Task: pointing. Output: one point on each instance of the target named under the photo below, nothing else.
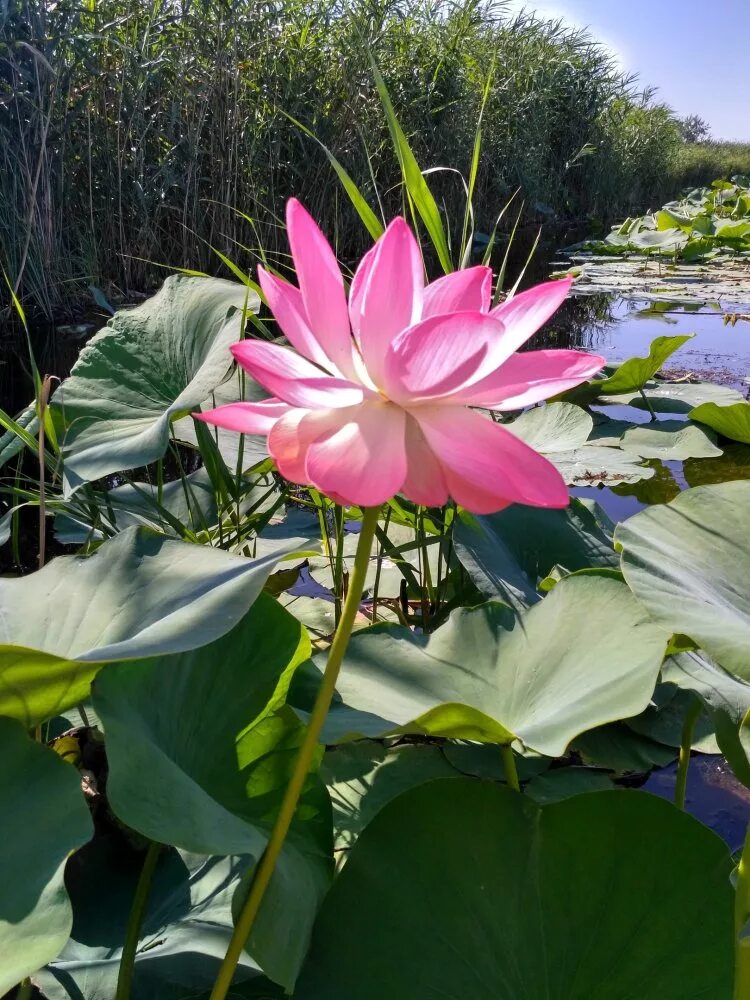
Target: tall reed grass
(134, 131)
(702, 162)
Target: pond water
(714, 796)
(620, 328)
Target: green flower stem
(686, 745)
(25, 990)
(338, 572)
(132, 934)
(265, 870)
(741, 917)
(509, 766)
(647, 401)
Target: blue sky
(696, 52)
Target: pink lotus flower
(374, 396)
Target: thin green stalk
(449, 548)
(25, 989)
(338, 571)
(132, 933)
(379, 567)
(509, 766)
(741, 917)
(648, 403)
(267, 864)
(41, 407)
(686, 745)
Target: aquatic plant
(258, 742)
(702, 225)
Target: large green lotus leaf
(616, 747)
(139, 594)
(238, 450)
(185, 504)
(554, 427)
(508, 553)
(11, 444)
(732, 228)
(675, 397)
(363, 777)
(727, 699)
(148, 366)
(585, 655)
(185, 931)
(593, 465)
(492, 897)
(6, 521)
(671, 440)
(607, 433)
(634, 373)
(689, 562)
(665, 241)
(564, 782)
(45, 817)
(731, 421)
(481, 760)
(192, 502)
(200, 726)
(664, 718)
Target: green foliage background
(132, 131)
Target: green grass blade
(372, 223)
(504, 265)
(416, 186)
(521, 273)
(467, 234)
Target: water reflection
(622, 328)
(733, 464)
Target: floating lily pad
(597, 466)
(483, 760)
(564, 782)
(727, 698)
(671, 440)
(554, 427)
(676, 397)
(618, 748)
(727, 281)
(663, 721)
